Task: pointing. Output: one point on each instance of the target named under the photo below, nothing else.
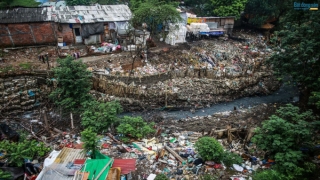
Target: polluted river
(218, 87)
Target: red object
(105, 146)
(79, 161)
(217, 166)
(126, 165)
(150, 148)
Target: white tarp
(177, 34)
(47, 162)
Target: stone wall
(24, 92)
(24, 34)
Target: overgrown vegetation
(17, 152)
(135, 127)
(25, 66)
(73, 85)
(283, 136)
(99, 116)
(230, 158)
(7, 69)
(209, 149)
(4, 175)
(4, 4)
(90, 139)
(154, 13)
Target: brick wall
(66, 32)
(25, 34)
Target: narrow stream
(285, 94)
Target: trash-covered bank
(169, 151)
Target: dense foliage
(230, 158)
(154, 13)
(99, 116)
(135, 127)
(90, 140)
(73, 85)
(17, 152)
(5, 4)
(4, 175)
(297, 53)
(202, 8)
(228, 8)
(283, 136)
(259, 12)
(209, 149)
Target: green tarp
(100, 165)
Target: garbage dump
(171, 151)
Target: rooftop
(67, 14)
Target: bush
(209, 149)
(99, 116)
(161, 177)
(90, 141)
(269, 174)
(17, 152)
(135, 127)
(230, 158)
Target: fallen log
(174, 153)
(114, 139)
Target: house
(26, 26)
(69, 24)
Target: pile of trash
(220, 55)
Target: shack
(64, 25)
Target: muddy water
(285, 94)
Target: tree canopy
(259, 11)
(73, 84)
(153, 13)
(5, 4)
(297, 52)
(228, 8)
(283, 136)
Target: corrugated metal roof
(67, 14)
(20, 15)
(126, 165)
(58, 169)
(92, 14)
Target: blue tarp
(212, 33)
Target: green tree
(297, 52)
(202, 8)
(154, 13)
(228, 8)
(73, 85)
(135, 127)
(99, 116)
(90, 139)
(209, 149)
(283, 135)
(259, 11)
(78, 2)
(6, 4)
